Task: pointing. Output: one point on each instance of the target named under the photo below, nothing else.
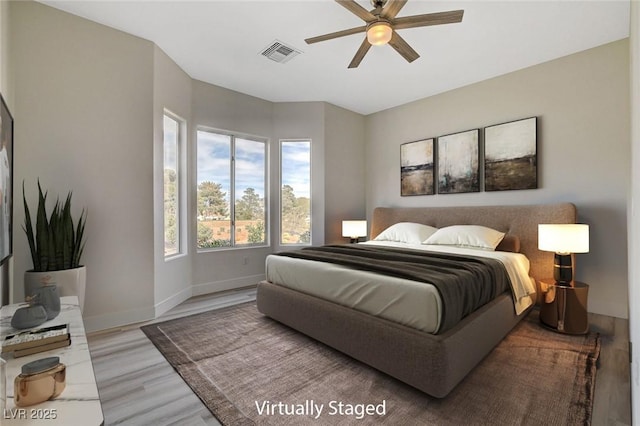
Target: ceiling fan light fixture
(379, 33)
(381, 25)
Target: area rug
(249, 369)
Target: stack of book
(37, 340)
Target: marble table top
(79, 403)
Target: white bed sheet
(407, 302)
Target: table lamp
(354, 229)
(563, 240)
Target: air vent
(280, 52)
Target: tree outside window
(231, 167)
(295, 192)
(171, 185)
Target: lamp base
(563, 269)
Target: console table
(79, 401)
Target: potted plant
(56, 247)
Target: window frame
(232, 189)
(181, 228)
(280, 242)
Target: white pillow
(406, 232)
(466, 236)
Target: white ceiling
(219, 42)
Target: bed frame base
(434, 364)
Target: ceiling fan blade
(439, 18)
(403, 48)
(364, 48)
(357, 10)
(392, 8)
(337, 34)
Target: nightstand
(564, 307)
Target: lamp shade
(354, 228)
(563, 238)
(379, 33)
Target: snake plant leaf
(79, 236)
(53, 237)
(56, 243)
(43, 241)
(28, 229)
(67, 234)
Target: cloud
(214, 162)
(296, 167)
(214, 159)
(170, 129)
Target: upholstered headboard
(521, 221)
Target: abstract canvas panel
(510, 155)
(458, 162)
(416, 168)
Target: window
(171, 166)
(231, 167)
(295, 192)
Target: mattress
(414, 304)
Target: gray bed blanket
(465, 283)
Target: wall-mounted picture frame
(510, 155)
(416, 168)
(6, 182)
(458, 162)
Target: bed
(432, 363)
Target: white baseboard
(215, 286)
(118, 319)
(121, 319)
(173, 301)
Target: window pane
(171, 187)
(295, 197)
(214, 189)
(250, 192)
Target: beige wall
(83, 122)
(337, 139)
(582, 102)
(345, 151)
(171, 91)
(4, 51)
(301, 120)
(219, 108)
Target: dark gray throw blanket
(464, 282)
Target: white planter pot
(70, 282)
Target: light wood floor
(137, 385)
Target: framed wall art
(510, 155)
(416, 168)
(458, 162)
(6, 181)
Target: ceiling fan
(382, 26)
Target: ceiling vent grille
(280, 52)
